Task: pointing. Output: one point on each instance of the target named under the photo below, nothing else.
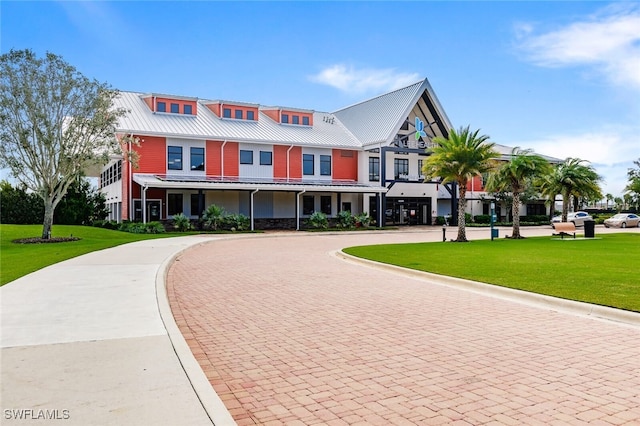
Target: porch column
(251, 207)
(144, 204)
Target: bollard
(444, 233)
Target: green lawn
(17, 260)
(604, 271)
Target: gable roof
(377, 120)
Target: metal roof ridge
(380, 95)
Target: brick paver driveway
(287, 333)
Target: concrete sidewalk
(86, 342)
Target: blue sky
(562, 78)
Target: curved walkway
(288, 333)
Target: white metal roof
(206, 125)
(251, 184)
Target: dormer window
(233, 110)
(285, 118)
(296, 119)
(171, 104)
(226, 112)
(250, 115)
(305, 120)
(238, 113)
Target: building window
(239, 114)
(188, 109)
(295, 119)
(250, 115)
(266, 158)
(307, 204)
(175, 108)
(161, 107)
(174, 158)
(246, 157)
(325, 165)
(197, 159)
(305, 120)
(174, 204)
(195, 205)
(325, 204)
(226, 112)
(307, 164)
(401, 168)
(374, 169)
(420, 164)
(285, 118)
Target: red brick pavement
(289, 334)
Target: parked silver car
(577, 218)
(623, 220)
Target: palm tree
(576, 179)
(459, 158)
(515, 176)
(609, 198)
(550, 187)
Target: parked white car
(577, 218)
(623, 220)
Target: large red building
(277, 165)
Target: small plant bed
(39, 240)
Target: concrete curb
(209, 399)
(533, 299)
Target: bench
(565, 228)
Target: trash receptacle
(494, 233)
(589, 228)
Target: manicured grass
(17, 260)
(603, 271)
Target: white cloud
(360, 81)
(611, 152)
(608, 41)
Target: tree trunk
(462, 204)
(515, 233)
(48, 218)
(565, 206)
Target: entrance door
(153, 210)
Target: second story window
(238, 113)
(265, 158)
(295, 119)
(197, 159)
(246, 157)
(188, 109)
(325, 165)
(305, 120)
(285, 118)
(174, 158)
(161, 107)
(250, 115)
(175, 108)
(307, 164)
(374, 169)
(401, 168)
(226, 112)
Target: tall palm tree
(515, 176)
(459, 158)
(550, 187)
(577, 180)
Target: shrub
(483, 218)
(154, 228)
(237, 222)
(318, 220)
(181, 222)
(363, 219)
(107, 224)
(440, 220)
(214, 216)
(345, 219)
